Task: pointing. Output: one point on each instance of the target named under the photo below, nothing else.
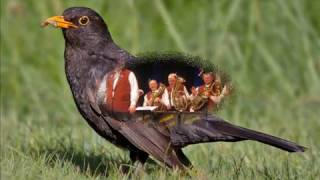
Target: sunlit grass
(269, 48)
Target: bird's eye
(83, 20)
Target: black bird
(90, 54)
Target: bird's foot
(139, 169)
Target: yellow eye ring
(84, 20)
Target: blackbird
(90, 54)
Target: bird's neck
(73, 65)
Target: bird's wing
(148, 138)
(96, 75)
(195, 128)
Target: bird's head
(81, 26)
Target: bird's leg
(138, 159)
(183, 158)
(139, 168)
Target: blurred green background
(271, 49)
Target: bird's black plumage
(90, 54)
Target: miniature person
(121, 91)
(210, 92)
(155, 96)
(177, 93)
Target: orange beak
(58, 21)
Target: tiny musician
(155, 96)
(210, 93)
(176, 93)
(120, 90)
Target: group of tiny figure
(175, 96)
(121, 93)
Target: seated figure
(177, 93)
(209, 94)
(155, 96)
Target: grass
(269, 48)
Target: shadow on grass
(91, 163)
(87, 163)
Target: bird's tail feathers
(248, 134)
